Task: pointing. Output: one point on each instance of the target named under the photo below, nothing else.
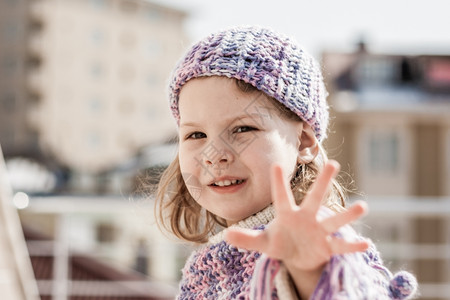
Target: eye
(196, 135)
(243, 129)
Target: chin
(230, 218)
(237, 215)
(233, 219)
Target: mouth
(227, 182)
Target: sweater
(218, 270)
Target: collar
(262, 217)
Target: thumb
(247, 238)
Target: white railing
(393, 209)
(381, 208)
(62, 248)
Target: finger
(281, 193)
(354, 212)
(246, 238)
(320, 188)
(341, 246)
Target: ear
(309, 146)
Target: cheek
(193, 185)
(185, 158)
(279, 148)
(182, 160)
(282, 152)
(190, 178)
(289, 161)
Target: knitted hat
(271, 62)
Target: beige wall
(98, 90)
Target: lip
(227, 189)
(223, 178)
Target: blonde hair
(178, 212)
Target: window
(376, 71)
(446, 178)
(11, 2)
(98, 4)
(35, 26)
(95, 105)
(11, 31)
(7, 139)
(154, 49)
(152, 113)
(8, 102)
(94, 140)
(34, 62)
(9, 65)
(33, 97)
(437, 74)
(383, 155)
(152, 79)
(97, 37)
(154, 15)
(105, 233)
(383, 152)
(97, 70)
(128, 7)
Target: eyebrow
(189, 124)
(227, 121)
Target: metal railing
(381, 209)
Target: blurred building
(84, 80)
(83, 86)
(390, 131)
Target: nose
(217, 154)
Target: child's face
(228, 142)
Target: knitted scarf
(218, 270)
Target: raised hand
(297, 236)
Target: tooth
(228, 182)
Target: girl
(251, 109)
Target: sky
(388, 26)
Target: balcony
(36, 43)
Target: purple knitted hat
(271, 62)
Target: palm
(297, 236)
